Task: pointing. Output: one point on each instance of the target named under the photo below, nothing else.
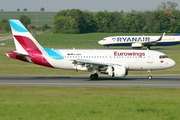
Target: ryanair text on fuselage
(131, 39)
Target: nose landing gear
(149, 77)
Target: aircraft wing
(84, 61)
(84, 64)
(153, 42)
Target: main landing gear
(149, 77)
(94, 76)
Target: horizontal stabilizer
(16, 54)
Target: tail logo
(17, 25)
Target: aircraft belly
(133, 65)
(143, 65)
(166, 43)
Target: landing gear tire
(94, 76)
(149, 77)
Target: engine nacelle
(136, 45)
(117, 71)
(120, 71)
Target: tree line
(5, 26)
(165, 19)
(76, 21)
(25, 20)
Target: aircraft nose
(173, 63)
(100, 42)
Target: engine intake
(137, 45)
(117, 71)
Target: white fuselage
(132, 59)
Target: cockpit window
(104, 39)
(163, 56)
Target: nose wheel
(149, 77)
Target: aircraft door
(150, 58)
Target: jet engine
(136, 45)
(117, 71)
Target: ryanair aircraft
(140, 41)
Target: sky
(90, 5)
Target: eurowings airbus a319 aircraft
(140, 41)
(115, 63)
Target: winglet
(160, 38)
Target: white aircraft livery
(140, 41)
(115, 63)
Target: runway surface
(83, 80)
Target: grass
(89, 103)
(84, 103)
(5, 33)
